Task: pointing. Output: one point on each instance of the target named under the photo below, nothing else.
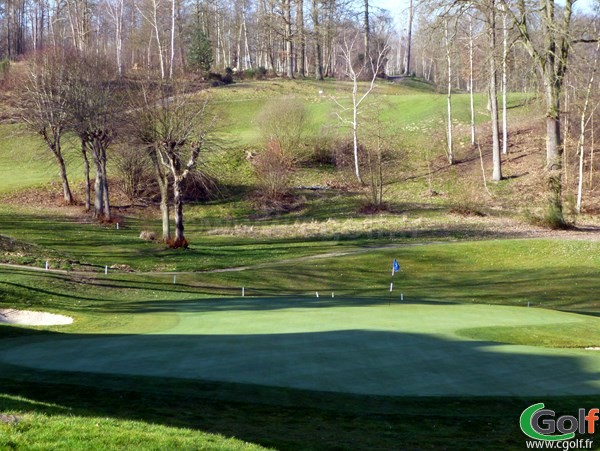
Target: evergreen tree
(200, 54)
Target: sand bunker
(29, 318)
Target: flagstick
(394, 266)
(391, 286)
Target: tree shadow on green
(411, 389)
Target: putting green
(353, 346)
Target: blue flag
(396, 267)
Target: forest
(78, 65)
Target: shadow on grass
(296, 286)
(95, 245)
(244, 400)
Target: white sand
(30, 318)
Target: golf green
(352, 345)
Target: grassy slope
(410, 113)
(550, 273)
(283, 417)
(26, 162)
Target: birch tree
(493, 91)
(449, 140)
(583, 125)
(317, 39)
(172, 61)
(152, 18)
(471, 97)
(504, 86)
(354, 71)
(115, 10)
(407, 55)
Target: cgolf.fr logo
(541, 424)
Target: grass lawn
(165, 354)
(270, 370)
(348, 346)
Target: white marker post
(117, 226)
(332, 294)
(174, 279)
(401, 296)
(317, 293)
(47, 265)
(243, 291)
(106, 269)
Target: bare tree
(448, 42)
(583, 124)
(505, 48)
(144, 113)
(172, 60)
(93, 109)
(407, 55)
(317, 37)
(284, 121)
(549, 50)
(181, 128)
(367, 37)
(153, 19)
(471, 99)
(115, 10)
(301, 37)
(44, 106)
(493, 91)
(354, 70)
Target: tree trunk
(554, 162)
(355, 122)
(408, 39)
(172, 60)
(53, 142)
(67, 195)
(497, 161)
(86, 174)
(301, 40)
(317, 39)
(450, 149)
(164, 210)
(178, 207)
(98, 189)
(504, 85)
(367, 61)
(471, 100)
(592, 143)
(105, 193)
(553, 137)
(583, 127)
(158, 42)
(288, 39)
(163, 183)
